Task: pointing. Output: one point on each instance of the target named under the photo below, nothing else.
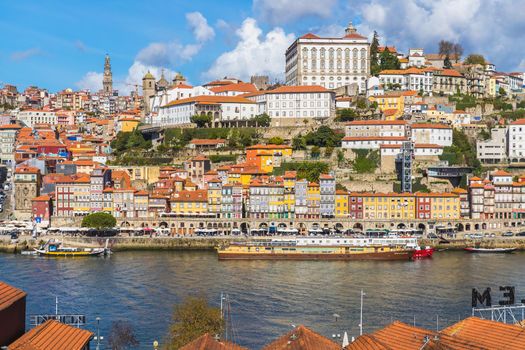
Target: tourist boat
(55, 248)
(327, 248)
(423, 253)
(490, 250)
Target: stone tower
(148, 90)
(350, 29)
(107, 81)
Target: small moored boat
(490, 250)
(423, 253)
(55, 248)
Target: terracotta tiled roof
(191, 196)
(353, 36)
(53, 335)
(376, 122)
(501, 173)
(206, 99)
(302, 338)
(390, 112)
(27, 170)
(207, 342)
(43, 198)
(297, 89)
(239, 87)
(430, 126)
(488, 334)
(9, 295)
(518, 122)
(309, 36)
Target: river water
(266, 297)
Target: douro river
(266, 297)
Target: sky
(61, 44)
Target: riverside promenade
(25, 242)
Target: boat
(327, 248)
(489, 250)
(55, 248)
(423, 253)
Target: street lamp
(155, 344)
(98, 338)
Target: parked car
(508, 234)
(521, 234)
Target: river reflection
(267, 297)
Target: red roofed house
(53, 335)
(329, 62)
(12, 313)
(42, 209)
(206, 144)
(302, 338)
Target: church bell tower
(107, 81)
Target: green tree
(298, 143)
(446, 63)
(366, 161)
(136, 140)
(502, 92)
(389, 60)
(99, 220)
(374, 55)
(261, 120)
(201, 120)
(346, 115)
(276, 140)
(340, 157)
(191, 319)
(328, 152)
(315, 152)
(324, 137)
(361, 103)
(122, 336)
(475, 58)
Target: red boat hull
(423, 253)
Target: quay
(147, 243)
(224, 226)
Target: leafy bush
(324, 137)
(99, 220)
(305, 170)
(276, 140)
(217, 158)
(366, 161)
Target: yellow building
(149, 174)
(190, 202)
(313, 200)
(214, 196)
(389, 206)
(491, 89)
(341, 204)
(289, 179)
(127, 124)
(443, 205)
(392, 104)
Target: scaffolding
(407, 155)
(507, 314)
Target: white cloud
(23, 55)
(489, 27)
(155, 57)
(329, 31)
(284, 11)
(254, 53)
(199, 25)
(91, 81)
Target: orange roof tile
(376, 122)
(297, 89)
(206, 99)
(239, 87)
(488, 334)
(430, 126)
(501, 173)
(53, 335)
(302, 338)
(207, 342)
(9, 295)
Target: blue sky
(58, 44)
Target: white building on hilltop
(329, 62)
